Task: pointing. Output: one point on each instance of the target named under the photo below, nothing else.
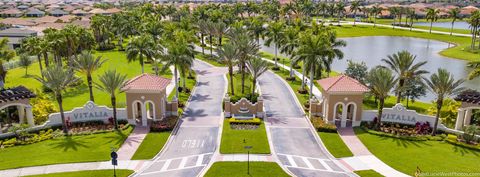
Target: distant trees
(24, 62)
(432, 15)
(356, 70)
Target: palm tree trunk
(219, 40)
(375, 21)
(437, 115)
(230, 73)
(3, 72)
(399, 93)
(393, 25)
(39, 58)
(120, 42)
(276, 55)
(90, 86)
(211, 46)
(176, 81)
(62, 115)
(380, 112)
(242, 68)
(114, 105)
(45, 57)
(303, 76)
(141, 63)
(431, 24)
(291, 69)
(354, 18)
(311, 82)
(203, 43)
(254, 81)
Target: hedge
(255, 121)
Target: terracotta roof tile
(147, 82)
(342, 83)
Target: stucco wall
(144, 98)
(332, 100)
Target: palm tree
(228, 53)
(177, 52)
(412, 15)
(442, 84)
(57, 79)
(432, 15)
(203, 29)
(44, 46)
(246, 47)
(274, 35)
(454, 14)
(140, 47)
(6, 54)
(376, 10)
(220, 29)
(381, 82)
(110, 82)
(289, 44)
(340, 8)
(354, 7)
(394, 11)
(475, 65)
(86, 63)
(257, 67)
(403, 64)
(32, 46)
(24, 62)
(474, 22)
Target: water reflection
(457, 25)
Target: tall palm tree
(203, 30)
(274, 35)
(32, 46)
(86, 63)
(110, 82)
(257, 67)
(442, 84)
(354, 7)
(220, 29)
(340, 8)
(381, 82)
(228, 54)
(247, 47)
(210, 28)
(57, 79)
(432, 15)
(6, 54)
(289, 44)
(404, 65)
(454, 14)
(376, 10)
(139, 48)
(24, 62)
(474, 22)
(412, 15)
(177, 52)
(394, 11)
(44, 46)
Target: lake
(372, 49)
(457, 25)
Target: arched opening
(150, 107)
(137, 110)
(351, 113)
(338, 113)
(12, 114)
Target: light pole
(248, 158)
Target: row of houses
(420, 9)
(34, 12)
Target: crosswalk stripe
(183, 162)
(200, 160)
(291, 161)
(165, 166)
(309, 165)
(328, 168)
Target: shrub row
(440, 137)
(322, 126)
(167, 124)
(255, 121)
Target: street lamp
(248, 158)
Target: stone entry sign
(89, 112)
(399, 114)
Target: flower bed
(323, 126)
(240, 124)
(440, 137)
(400, 129)
(167, 124)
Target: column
(21, 114)
(468, 117)
(460, 117)
(343, 121)
(144, 115)
(29, 112)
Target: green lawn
(77, 96)
(233, 140)
(69, 149)
(151, 145)
(183, 96)
(460, 51)
(368, 173)
(237, 84)
(429, 156)
(420, 107)
(335, 144)
(96, 173)
(239, 169)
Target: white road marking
(328, 168)
(307, 162)
(291, 161)
(199, 160)
(154, 172)
(183, 162)
(315, 169)
(165, 166)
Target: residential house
(11, 13)
(58, 13)
(35, 13)
(16, 35)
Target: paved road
(195, 142)
(293, 141)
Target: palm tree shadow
(69, 143)
(199, 97)
(207, 83)
(118, 138)
(463, 151)
(75, 91)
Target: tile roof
(342, 83)
(147, 82)
(11, 11)
(17, 21)
(16, 93)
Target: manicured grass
(429, 156)
(233, 140)
(77, 96)
(96, 173)
(239, 169)
(460, 51)
(237, 84)
(151, 145)
(368, 173)
(420, 107)
(335, 144)
(183, 96)
(69, 149)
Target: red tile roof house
(11, 13)
(342, 100)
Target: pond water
(372, 49)
(457, 25)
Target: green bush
(255, 121)
(440, 137)
(323, 126)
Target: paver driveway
(193, 145)
(293, 141)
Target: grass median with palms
(96, 173)
(429, 156)
(234, 141)
(239, 169)
(151, 145)
(64, 149)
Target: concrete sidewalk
(131, 144)
(37, 170)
